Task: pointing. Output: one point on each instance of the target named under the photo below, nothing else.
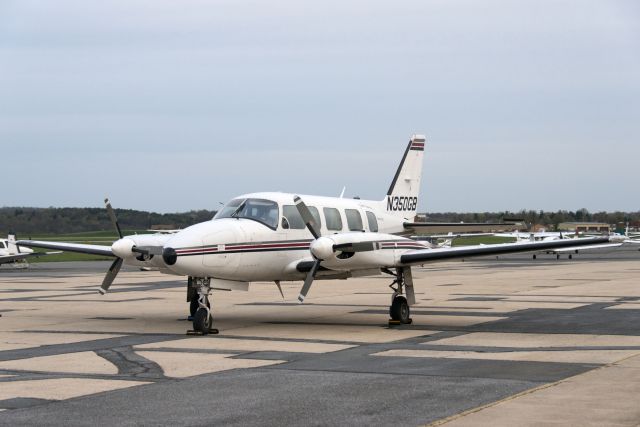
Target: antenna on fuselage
(342, 193)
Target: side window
(373, 222)
(332, 218)
(354, 220)
(2, 245)
(293, 217)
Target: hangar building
(585, 227)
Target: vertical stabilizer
(11, 245)
(402, 197)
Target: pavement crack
(130, 363)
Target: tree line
(26, 221)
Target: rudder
(403, 193)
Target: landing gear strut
(399, 310)
(202, 318)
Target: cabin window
(332, 218)
(2, 245)
(295, 221)
(354, 220)
(373, 222)
(290, 212)
(261, 210)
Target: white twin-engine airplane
(285, 237)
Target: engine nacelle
(352, 251)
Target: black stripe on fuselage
(245, 251)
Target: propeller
(323, 247)
(112, 272)
(123, 247)
(312, 226)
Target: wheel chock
(212, 331)
(398, 323)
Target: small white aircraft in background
(11, 253)
(631, 237)
(535, 236)
(285, 237)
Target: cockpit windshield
(261, 210)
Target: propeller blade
(112, 217)
(356, 247)
(307, 217)
(111, 274)
(308, 281)
(148, 250)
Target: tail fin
(402, 197)
(11, 244)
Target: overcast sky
(178, 105)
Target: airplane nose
(169, 256)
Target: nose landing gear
(399, 310)
(202, 318)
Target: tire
(399, 310)
(194, 305)
(202, 321)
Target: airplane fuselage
(268, 241)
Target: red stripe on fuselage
(267, 246)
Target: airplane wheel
(399, 310)
(202, 321)
(570, 256)
(193, 305)
(534, 256)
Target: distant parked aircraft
(10, 253)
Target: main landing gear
(198, 292)
(399, 310)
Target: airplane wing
(567, 250)
(423, 256)
(68, 247)
(457, 227)
(450, 235)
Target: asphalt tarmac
(507, 341)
